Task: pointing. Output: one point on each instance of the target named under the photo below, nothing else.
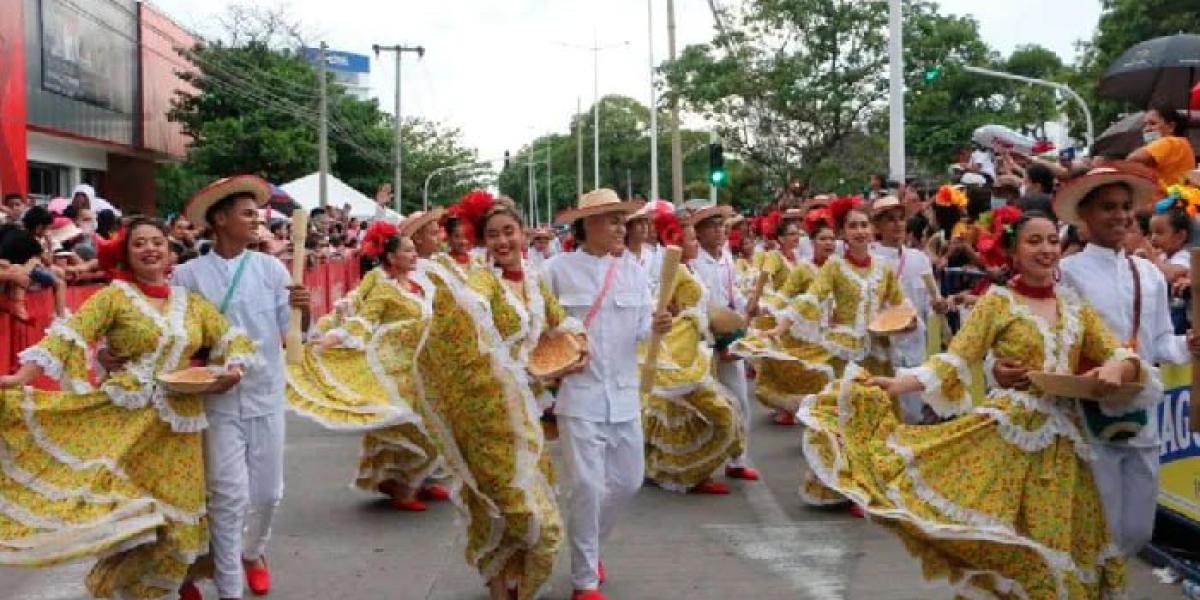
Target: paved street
(759, 542)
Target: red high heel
(258, 579)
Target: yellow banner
(1179, 476)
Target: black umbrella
(1125, 135)
(1163, 69)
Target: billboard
(86, 57)
(1179, 475)
(340, 62)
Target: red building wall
(14, 172)
(161, 64)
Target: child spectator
(21, 248)
(1170, 232)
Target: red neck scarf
(1030, 291)
(157, 292)
(461, 259)
(820, 262)
(514, 276)
(862, 264)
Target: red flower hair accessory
(771, 223)
(816, 218)
(376, 238)
(666, 225)
(111, 255)
(469, 212)
(840, 207)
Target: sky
(506, 71)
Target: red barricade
(327, 282)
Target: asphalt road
(333, 543)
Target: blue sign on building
(343, 62)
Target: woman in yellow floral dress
(692, 426)
(477, 400)
(789, 368)
(357, 375)
(1000, 500)
(116, 472)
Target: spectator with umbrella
(1167, 148)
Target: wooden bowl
(724, 321)
(554, 354)
(192, 380)
(892, 320)
(1079, 386)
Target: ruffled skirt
(83, 477)
(689, 436)
(788, 370)
(999, 501)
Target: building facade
(85, 90)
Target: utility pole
(532, 187)
(549, 199)
(676, 142)
(399, 50)
(578, 148)
(896, 156)
(596, 109)
(653, 105)
(713, 139)
(323, 131)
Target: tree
(1124, 23)
(255, 110)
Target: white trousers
(1127, 478)
(244, 462)
(605, 465)
(732, 375)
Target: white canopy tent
(306, 192)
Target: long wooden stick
(295, 336)
(1194, 406)
(670, 264)
(931, 287)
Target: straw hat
(420, 219)
(199, 204)
(818, 201)
(63, 229)
(735, 220)
(541, 233)
(885, 204)
(596, 202)
(702, 213)
(644, 212)
(1066, 201)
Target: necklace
(1031, 291)
(864, 263)
(156, 291)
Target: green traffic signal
(716, 165)
(933, 73)
(717, 178)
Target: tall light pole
(399, 50)
(1054, 85)
(595, 49)
(653, 104)
(323, 131)
(896, 91)
(578, 148)
(676, 141)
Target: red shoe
(857, 512)
(743, 473)
(189, 591)
(712, 488)
(409, 505)
(434, 492)
(587, 595)
(785, 418)
(258, 578)
(601, 573)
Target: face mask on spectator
(1151, 135)
(88, 227)
(997, 202)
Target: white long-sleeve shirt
(259, 305)
(607, 391)
(720, 278)
(1102, 277)
(910, 266)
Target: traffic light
(933, 73)
(716, 165)
(506, 159)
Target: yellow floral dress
(116, 473)
(789, 368)
(999, 500)
(365, 383)
(476, 400)
(691, 425)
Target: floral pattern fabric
(1000, 500)
(692, 426)
(115, 472)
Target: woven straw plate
(1080, 386)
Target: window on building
(46, 181)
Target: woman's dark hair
(502, 206)
(1142, 219)
(391, 245)
(1041, 176)
(1178, 122)
(1178, 220)
(144, 222)
(277, 226)
(979, 201)
(1013, 231)
(36, 216)
(946, 217)
(1072, 238)
(71, 212)
(106, 223)
(917, 225)
(452, 224)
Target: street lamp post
(595, 49)
(1087, 114)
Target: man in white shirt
(911, 267)
(244, 441)
(599, 408)
(714, 268)
(1126, 470)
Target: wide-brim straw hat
(885, 204)
(793, 214)
(541, 233)
(735, 220)
(700, 215)
(417, 220)
(596, 202)
(1066, 201)
(645, 211)
(197, 206)
(818, 201)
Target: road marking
(812, 557)
(59, 583)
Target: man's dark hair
(276, 226)
(13, 196)
(35, 217)
(1095, 192)
(106, 223)
(1041, 176)
(223, 205)
(71, 212)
